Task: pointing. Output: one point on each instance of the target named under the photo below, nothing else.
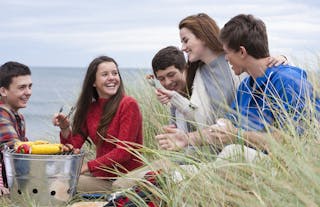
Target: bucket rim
(10, 153)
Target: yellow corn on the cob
(46, 149)
(30, 143)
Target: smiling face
(172, 78)
(235, 59)
(16, 96)
(107, 80)
(194, 47)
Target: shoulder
(4, 108)
(221, 60)
(129, 108)
(287, 74)
(128, 102)
(244, 82)
(5, 111)
(218, 65)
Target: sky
(72, 32)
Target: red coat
(126, 126)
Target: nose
(28, 91)
(183, 47)
(110, 77)
(167, 82)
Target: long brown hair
(205, 29)
(89, 94)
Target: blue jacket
(280, 93)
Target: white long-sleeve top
(205, 107)
(196, 109)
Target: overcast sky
(73, 32)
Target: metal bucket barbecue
(42, 180)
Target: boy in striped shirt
(15, 91)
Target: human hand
(173, 139)
(164, 95)
(61, 121)
(149, 76)
(70, 148)
(173, 126)
(222, 132)
(4, 190)
(278, 60)
(84, 168)
(151, 81)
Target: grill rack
(12, 151)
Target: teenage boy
(268, 97)
(15, 91)
(169, 67)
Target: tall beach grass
(288, 176)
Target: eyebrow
(24, 85)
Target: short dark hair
(11, 69)
(166, 57)
(247, 31)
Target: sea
(56, 87)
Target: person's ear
(3, 91)
(243, 51)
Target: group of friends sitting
(228, 94)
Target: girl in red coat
(109, 118)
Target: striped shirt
(12, 127)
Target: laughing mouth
(111, 85)
(24, 99)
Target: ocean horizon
(54, 87)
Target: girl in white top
(210, 80)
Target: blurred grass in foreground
(289, 176)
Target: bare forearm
(194, 138)
(260, 140)
(65, 132)
(212, 137)
(220, 138)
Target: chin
(22, 106)
(110, 94)
(191, 59)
